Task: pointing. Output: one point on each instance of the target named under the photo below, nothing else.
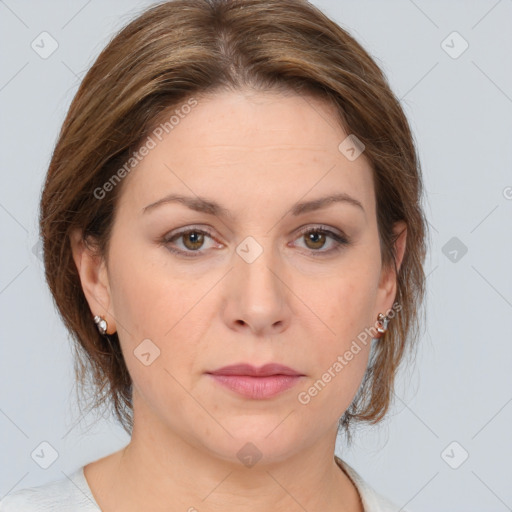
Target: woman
(233, 235)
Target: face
(248, 268)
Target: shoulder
(68, 493)
(372, 500)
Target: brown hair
(177, 49)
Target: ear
(93, 274)
(388, 279)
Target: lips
(252, 371)
(256, 383)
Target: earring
(381, 327)
(101, 323)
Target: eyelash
(340, 241)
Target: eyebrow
(210, 207)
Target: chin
(262, 440)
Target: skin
(256, 154)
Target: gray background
(460, 110)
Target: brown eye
(189, 243)
(193, 240)
(315, 239)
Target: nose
(257, 295)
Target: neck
(158, 468)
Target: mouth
(257, 382)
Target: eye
(192, 241)
(317, 238)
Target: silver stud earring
(101, 323)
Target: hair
(181, 48)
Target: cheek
(348, 302)
(149, 299)
(339, 363)
(152, 303)
(152, 315)
(345, 306)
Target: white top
(73, 494)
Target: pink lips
(257, 383)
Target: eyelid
(183, 231)
(322, 228)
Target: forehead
(249, 146)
